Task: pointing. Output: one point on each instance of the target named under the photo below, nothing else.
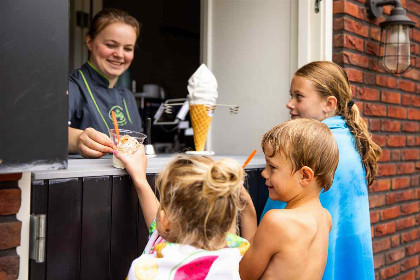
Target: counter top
(103, 167)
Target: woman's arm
(90, 143)
(136, 166)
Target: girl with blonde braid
(190, 227)
(320, 90)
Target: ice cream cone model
(200, 120)
(202, 88)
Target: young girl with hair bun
(321, 90)
(189, 232)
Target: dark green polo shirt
(91, 102)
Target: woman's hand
(90, 143)
(135, 165)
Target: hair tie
(350, 104)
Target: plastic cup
(114, 137)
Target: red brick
(369, 78)
(413, 74)
(412, 140)
(374, 125)
(354, 75)
(10, 234)
(389, 271)
(378, 260)
(386, 169)
(372, 48)
(410, 208)
(9, 267)
(406, 99)
(410, 127)
(395, 255)
(346, 7)
(410, 263)
(395, 155)
(408, 86)
(416, 101)
(376, 200)
(396, 141)
(406, 223)
(385, 229)
(385, 81)
(10, 177)
(9, 201)
(393, 197)
(412, 249)
(413, 114)
(353, 43)
(414, 7)
(391, 97)
(410, 236)
(400, 183)
(381, 185)
(397, 112)
(395, 240)
(379, 139)
(375, 33)
(411, 154)
(374, 110)
(390, 213)
(355, 59)
(405, 168)
(392, 126)
(381, 245)
(356, 27)
(374, 217)
(408, 276)
(385, 156)
(370, 94)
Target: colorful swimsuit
(166, 260)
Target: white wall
(251, 47)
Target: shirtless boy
(292, 243)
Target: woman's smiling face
(112, 50)
(305, 101)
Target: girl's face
(112, 50)
(305, 102)
(279, 177)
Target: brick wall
(391, 106)
(10, 199)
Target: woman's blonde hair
(110, 15)
(200, 198)
(331, 80)
(305, 142)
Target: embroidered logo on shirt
(119, 113)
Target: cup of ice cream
(127, 142)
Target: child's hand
(135, 165)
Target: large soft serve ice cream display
(202, 89)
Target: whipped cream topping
(128, 143)
(202, 87)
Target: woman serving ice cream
(94, 91)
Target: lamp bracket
(374, 7)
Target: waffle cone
(200, 121)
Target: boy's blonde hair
(331, 80)
(305, 142)
(200, 198)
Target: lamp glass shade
(396, 56)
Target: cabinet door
(33, 85)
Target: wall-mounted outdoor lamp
(395, 48)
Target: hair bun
(223, 178)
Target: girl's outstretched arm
(247, 216)
(136, 167)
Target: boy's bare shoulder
(290, 222)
